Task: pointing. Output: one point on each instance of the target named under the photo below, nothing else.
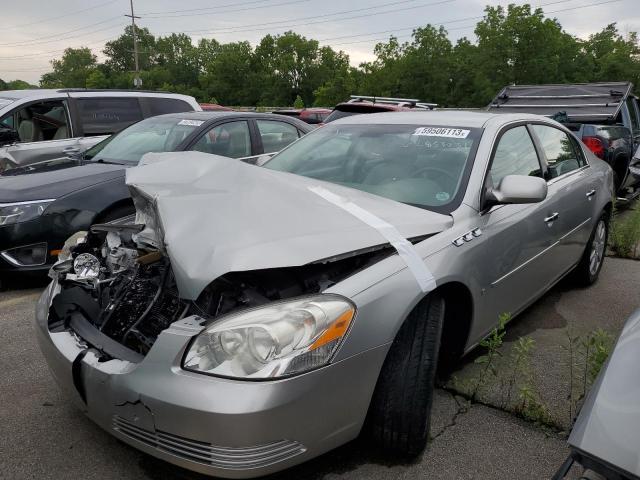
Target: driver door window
(40, 121)
(231, 139)
(515, 155)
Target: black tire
(400, 412)
(586, 273)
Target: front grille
(222, 457)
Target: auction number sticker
(442, 132)
(191, 123)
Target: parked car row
(251, 318)
(46, 202)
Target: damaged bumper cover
(216, 426)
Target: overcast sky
(36, 31)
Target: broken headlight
(280, 339)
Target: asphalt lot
(44, 436)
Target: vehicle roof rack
(409, 102)
(126, 90)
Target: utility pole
(137, 81)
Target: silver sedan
(255, 317)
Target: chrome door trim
(522, 265)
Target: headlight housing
(277, 340)
(11, 213)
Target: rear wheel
(400, 411)
(588, 269)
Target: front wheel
(588, 269)
(400, 411)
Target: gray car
(255, 317)
(42, 124)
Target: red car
(214, 107)
(367, 104)
(312, 116)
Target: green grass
(624, 237)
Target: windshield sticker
(442, 132)
(191, 123)
(442, 196)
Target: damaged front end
(118, 291)
(114, 294)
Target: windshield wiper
(109, 162)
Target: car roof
(210, 116)
(47, 92)
(458, 118)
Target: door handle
(590, 194)
(552, 217)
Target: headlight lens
(281, 339)
(22, 211)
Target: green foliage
(624, 237)
(72, 70)
(588, 354)
(3, 85)
(298, 103)
(492, 344)
(516, 44)
(598, 346)
(19, 85)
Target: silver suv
(38, 125)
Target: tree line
(516, 44)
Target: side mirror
(518, 189)
(8, 136)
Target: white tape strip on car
(404, 247)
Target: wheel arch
(121, 203)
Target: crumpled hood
(219, 215)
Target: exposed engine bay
(118, 293)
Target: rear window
(353, 109)
(104, 116)
(160, 106)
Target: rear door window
(107, 115)
(559, 150)
(231, 139)
(276, 135)
(160, 106)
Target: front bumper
(216, 426)
(43, 229)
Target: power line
(475, 18)
(206, 8)
(250, 27)
(204, 11)
(48, 38)
(77, 12)
(48, 53)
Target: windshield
(424, 166)
(336, 114)
(157, 134)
